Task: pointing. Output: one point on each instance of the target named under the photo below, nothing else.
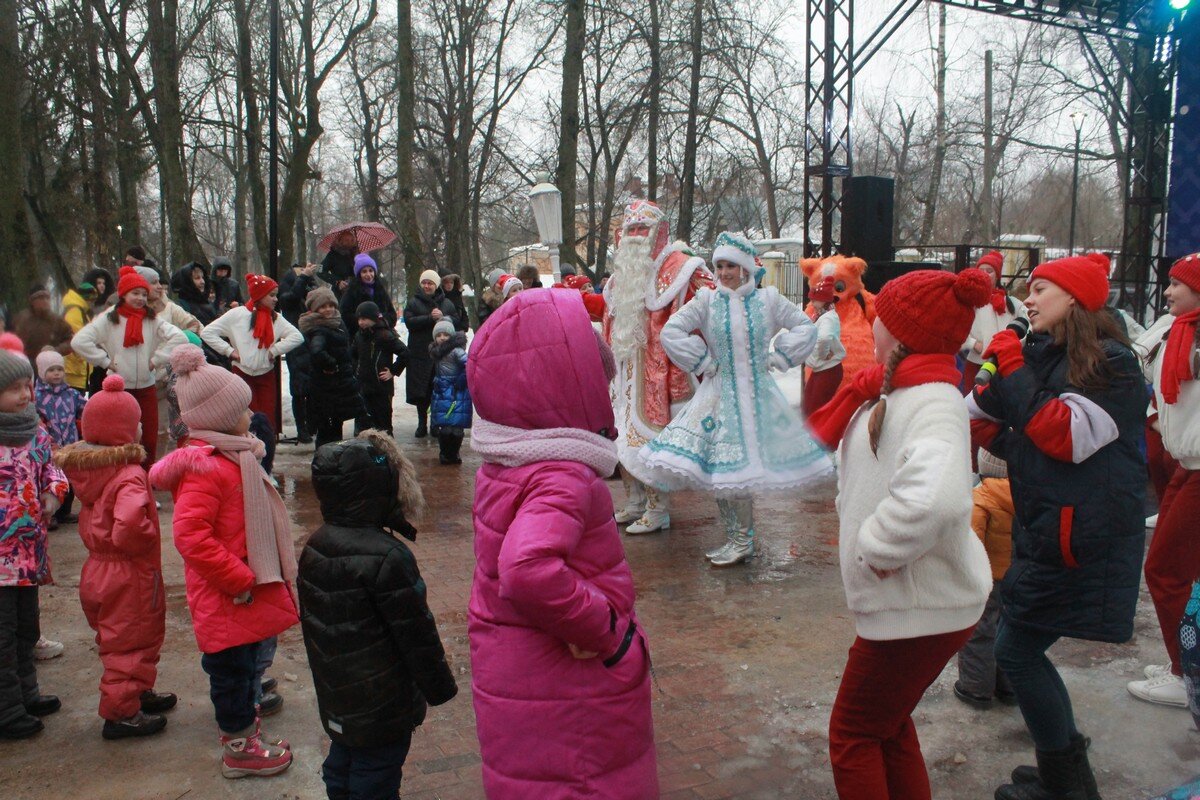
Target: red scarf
(829, 422)
(1177, 360)
(999, 300)
(133, 324)
(264, 325)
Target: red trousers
(873, 743)
(124, 604)
(147, 400)
(820, 388)
(1159, 463)
(1173, 560)
(262, 392)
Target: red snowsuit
(121, 587)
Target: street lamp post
(546, 200)
(1077, 121)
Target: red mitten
(1006, 348)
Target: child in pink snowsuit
(121, 587)
(560, 665)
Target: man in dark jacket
(373, 645)
(226, 292)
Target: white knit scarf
(269, 548)
(516, 447)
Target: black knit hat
(368, 310)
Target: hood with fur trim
(90, 467)
(166, 473)
(367, 482)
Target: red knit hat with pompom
(1083, 277)
(931, 311)
(112, 415)
(1187, 271)
(128, 280)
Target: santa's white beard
(632, 270)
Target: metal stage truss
(1143, 35)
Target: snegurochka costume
(738, 435)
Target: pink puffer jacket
(209, 527)
(551, 571)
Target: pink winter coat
(210, 533)
(121, 586)
(551, 571)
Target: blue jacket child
(450, 409)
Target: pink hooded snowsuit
(551, 572)
(121, 586)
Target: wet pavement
(746, 663)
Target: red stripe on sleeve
(1050, 430)
(1066, 520)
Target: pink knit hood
(536, 365)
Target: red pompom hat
(112, 415)
(128, 280)
(931, 311)
(260, 286)
(1187, 271)
(1083, 277)
(994, 259)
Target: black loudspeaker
(867, 203)
(880, 272)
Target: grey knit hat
(990, 466)
(13, 364)
(150, 274)
(322, 295)
(443, 326)
(495, 275)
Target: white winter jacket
(829, 350)
(909, 510)
(102, 344)
(1179, 422)
(236, 326)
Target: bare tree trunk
(252, 132)
(239, 187)
(15, 274)
(568, 137)
(104, 228)
(939, 150)
(406, 125)
(162, 24)
(655, 102)
(687, 189)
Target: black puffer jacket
(337, 266)
(1079, 532)
(372, 642)
(356, 294)
(333, 394)
(375, 350)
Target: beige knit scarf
(269, 548)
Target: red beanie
(128, 280)
(1187, 271)
(931, 311)
(1083, 277)
(112, 415)
(994, 259)
(260, 286)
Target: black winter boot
(1062, 775)
(1029, 774)
(456, 446)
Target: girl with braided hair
(915, 575)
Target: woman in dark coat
(192, 289)
(1068, 410)
(452, 288)
(333, 394)
(366, 287)
(337, 268)
(426, 306)
(102, 281)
